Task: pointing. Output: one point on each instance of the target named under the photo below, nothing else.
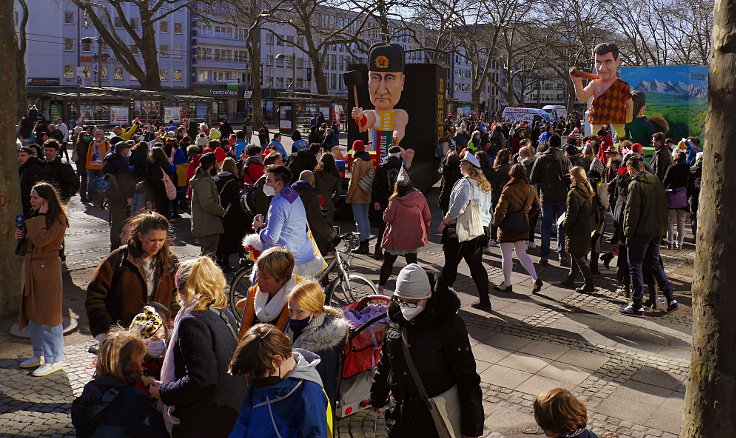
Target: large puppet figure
(612, 103)
(386, 125)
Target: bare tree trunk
(9, 184)
(254, 52)
(319, 74)
(710, 404)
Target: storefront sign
(43, 81)
(248, 94)
(217, 92)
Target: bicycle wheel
(239, 287)
(352, 290)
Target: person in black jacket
(383, 186)
(677, 177)
(425, 309)
(30, 170)
(323, 233)
(235, 221)
(450, 175)
(693, 191)
(83, 139)
(120, 192)
(194, 378)
(57, 173)
(110, 405)
(306, 159)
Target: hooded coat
(295, 407)
(408, 220)
(646, 207)
(235, 222)
(361, 165)
(579, 220)
(440, 348)
(517, 195)
(207, 213)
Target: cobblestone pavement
(631, 372)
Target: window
(163, 51)
(269, 38)
(68, 44)
(279, 61)
(217, 55)
(86, 44)
(178, 28)
(164, 26)
(134, 23)
(279, 82)
(163, 74)
(118, 22)
(178, 52)
(103, 73)
(69, 17)
(203, 76)
(68, 71)
(87, 71)
(118, 73)
(177, 75)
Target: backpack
(248, 198)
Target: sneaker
(537, 286)
(531, 245)
(486, 307)
(502, 288)
(32, 362)
(672, 306)
(565, 263)
(630, 311)
(543, 262)
(48, 368)
(585, 289)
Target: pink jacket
(407, 222)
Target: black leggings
(472, 252)
(388, 264)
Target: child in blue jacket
(285, 396)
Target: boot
(363, 248)
(588, 288)
(606, 258)
(652, 301)
(568, 283)
(378, 253)
(594, 263)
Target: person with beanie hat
(407, 218)
(423, 312)
(358, 197)
(550, 173)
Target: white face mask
(156, 348)
(268, 190)
(410, 313)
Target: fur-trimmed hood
(323, 332)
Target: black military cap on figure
(384, 57)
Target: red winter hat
(607, 140)
(358, 145)
(220, 154)
(637, 147)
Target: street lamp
(293, 67)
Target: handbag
(366, 182)
(469, 224)
(169, 185)
(444, 408)
(517, 222)
(677, 197)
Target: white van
(558, 112)
(529, 115)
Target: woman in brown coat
(517, 195)
(41, 279)
(358, 198)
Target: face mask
(268, 190)
(298, 325)
(410, 313)
(156, 348)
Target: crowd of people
(173, 360)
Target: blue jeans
(47, 341)
(645, 250)
(139, 203)
(550, 213)
(362, 220)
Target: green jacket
(207, 213)
(579, 220)
(646, 207)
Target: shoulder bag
(469, 225)
(169, 186)
(677, 197)
(517, 222)
(445, 408)
(366, 182)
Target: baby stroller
(368, 323)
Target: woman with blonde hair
(110, 404)
(320, 329)
(579, 225)
(200, 398)
(472, 189)
(41, 240)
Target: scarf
(168, 369)
(97, 157)
(268, 311)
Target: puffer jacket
(408, 220)
(325, 335)
(646, 207)
(439, 345)
(516, 195)
(207, 213)
(294, 407)
(550, 174)
(579, 220)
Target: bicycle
(350, 286)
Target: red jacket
(253, 170)
(407, 222)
